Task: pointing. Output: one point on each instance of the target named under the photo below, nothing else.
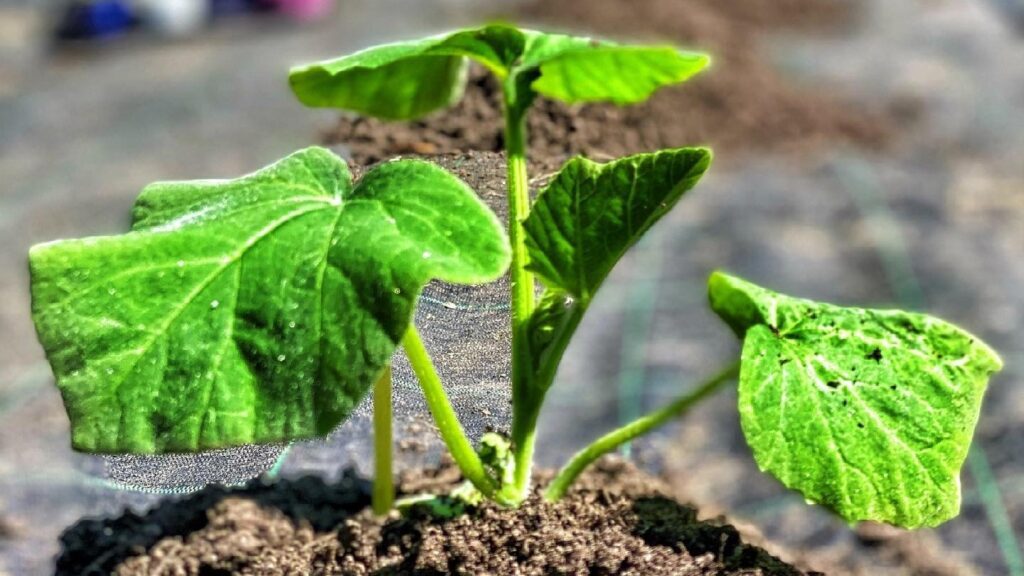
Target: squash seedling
(263, 309)
(406, 80)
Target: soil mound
(617, 521)
(741, 104)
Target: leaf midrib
(321, 276)
(72, 297)
(161, 332)
(870, 412)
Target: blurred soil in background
(741, 104)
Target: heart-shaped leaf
(867, 412)
(251, 310)
(406, 80)
(584, 221)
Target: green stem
(524, 421)
(612, 440)
(519, 209)
(445, 418)
(383, 483)
(525, 413)
(524, 430)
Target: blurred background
(867, 152)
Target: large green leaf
(251, 310)
(584, 221)
(867, 412)
(409, 79)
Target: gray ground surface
(938, 223)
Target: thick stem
(383, 484)
(524, 431)
(445, 418)
(519, 209)
(524, 420)
(612, 440)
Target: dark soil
(741, 105)
(617, 521)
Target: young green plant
(867, 412)
(406, 80)
(263, 309)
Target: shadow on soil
(97, 546)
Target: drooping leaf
(867, 412)
(406, 80)
(584, 221)
(251, 310)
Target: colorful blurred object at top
(305, 10)
(105, 19)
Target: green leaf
(605, 72)
(590, 213)
(584, 221)
(251, 310)
(406, 80)
(867, 412)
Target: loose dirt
(741, 105)
(617, 521)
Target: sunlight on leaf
(586, 218)
(619, 74)
(867, 412)
(405, 80)
(252, 310)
